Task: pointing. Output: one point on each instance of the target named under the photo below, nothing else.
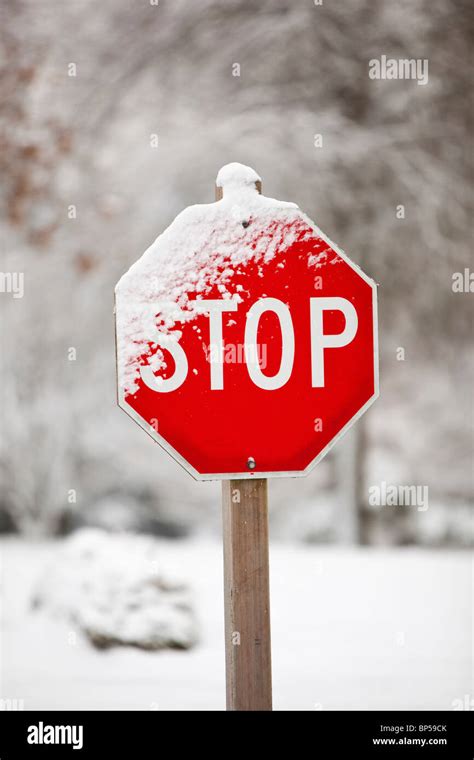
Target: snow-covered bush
(114, 589)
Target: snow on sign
(246, 340)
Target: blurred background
(114, 117)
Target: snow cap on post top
(236, 177)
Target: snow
(352, 629)
(202, 249)
(112, 587)
(236, 175)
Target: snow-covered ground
(351, 629)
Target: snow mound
(112, 587)
(201, 251)
(232, 175)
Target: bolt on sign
(246, 340)
(246, 346)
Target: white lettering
(320, 341)
(287, 339)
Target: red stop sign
(246, 341)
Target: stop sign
(246, 340)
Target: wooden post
(247, 595)
(246, 589)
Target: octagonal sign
(246, 340)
